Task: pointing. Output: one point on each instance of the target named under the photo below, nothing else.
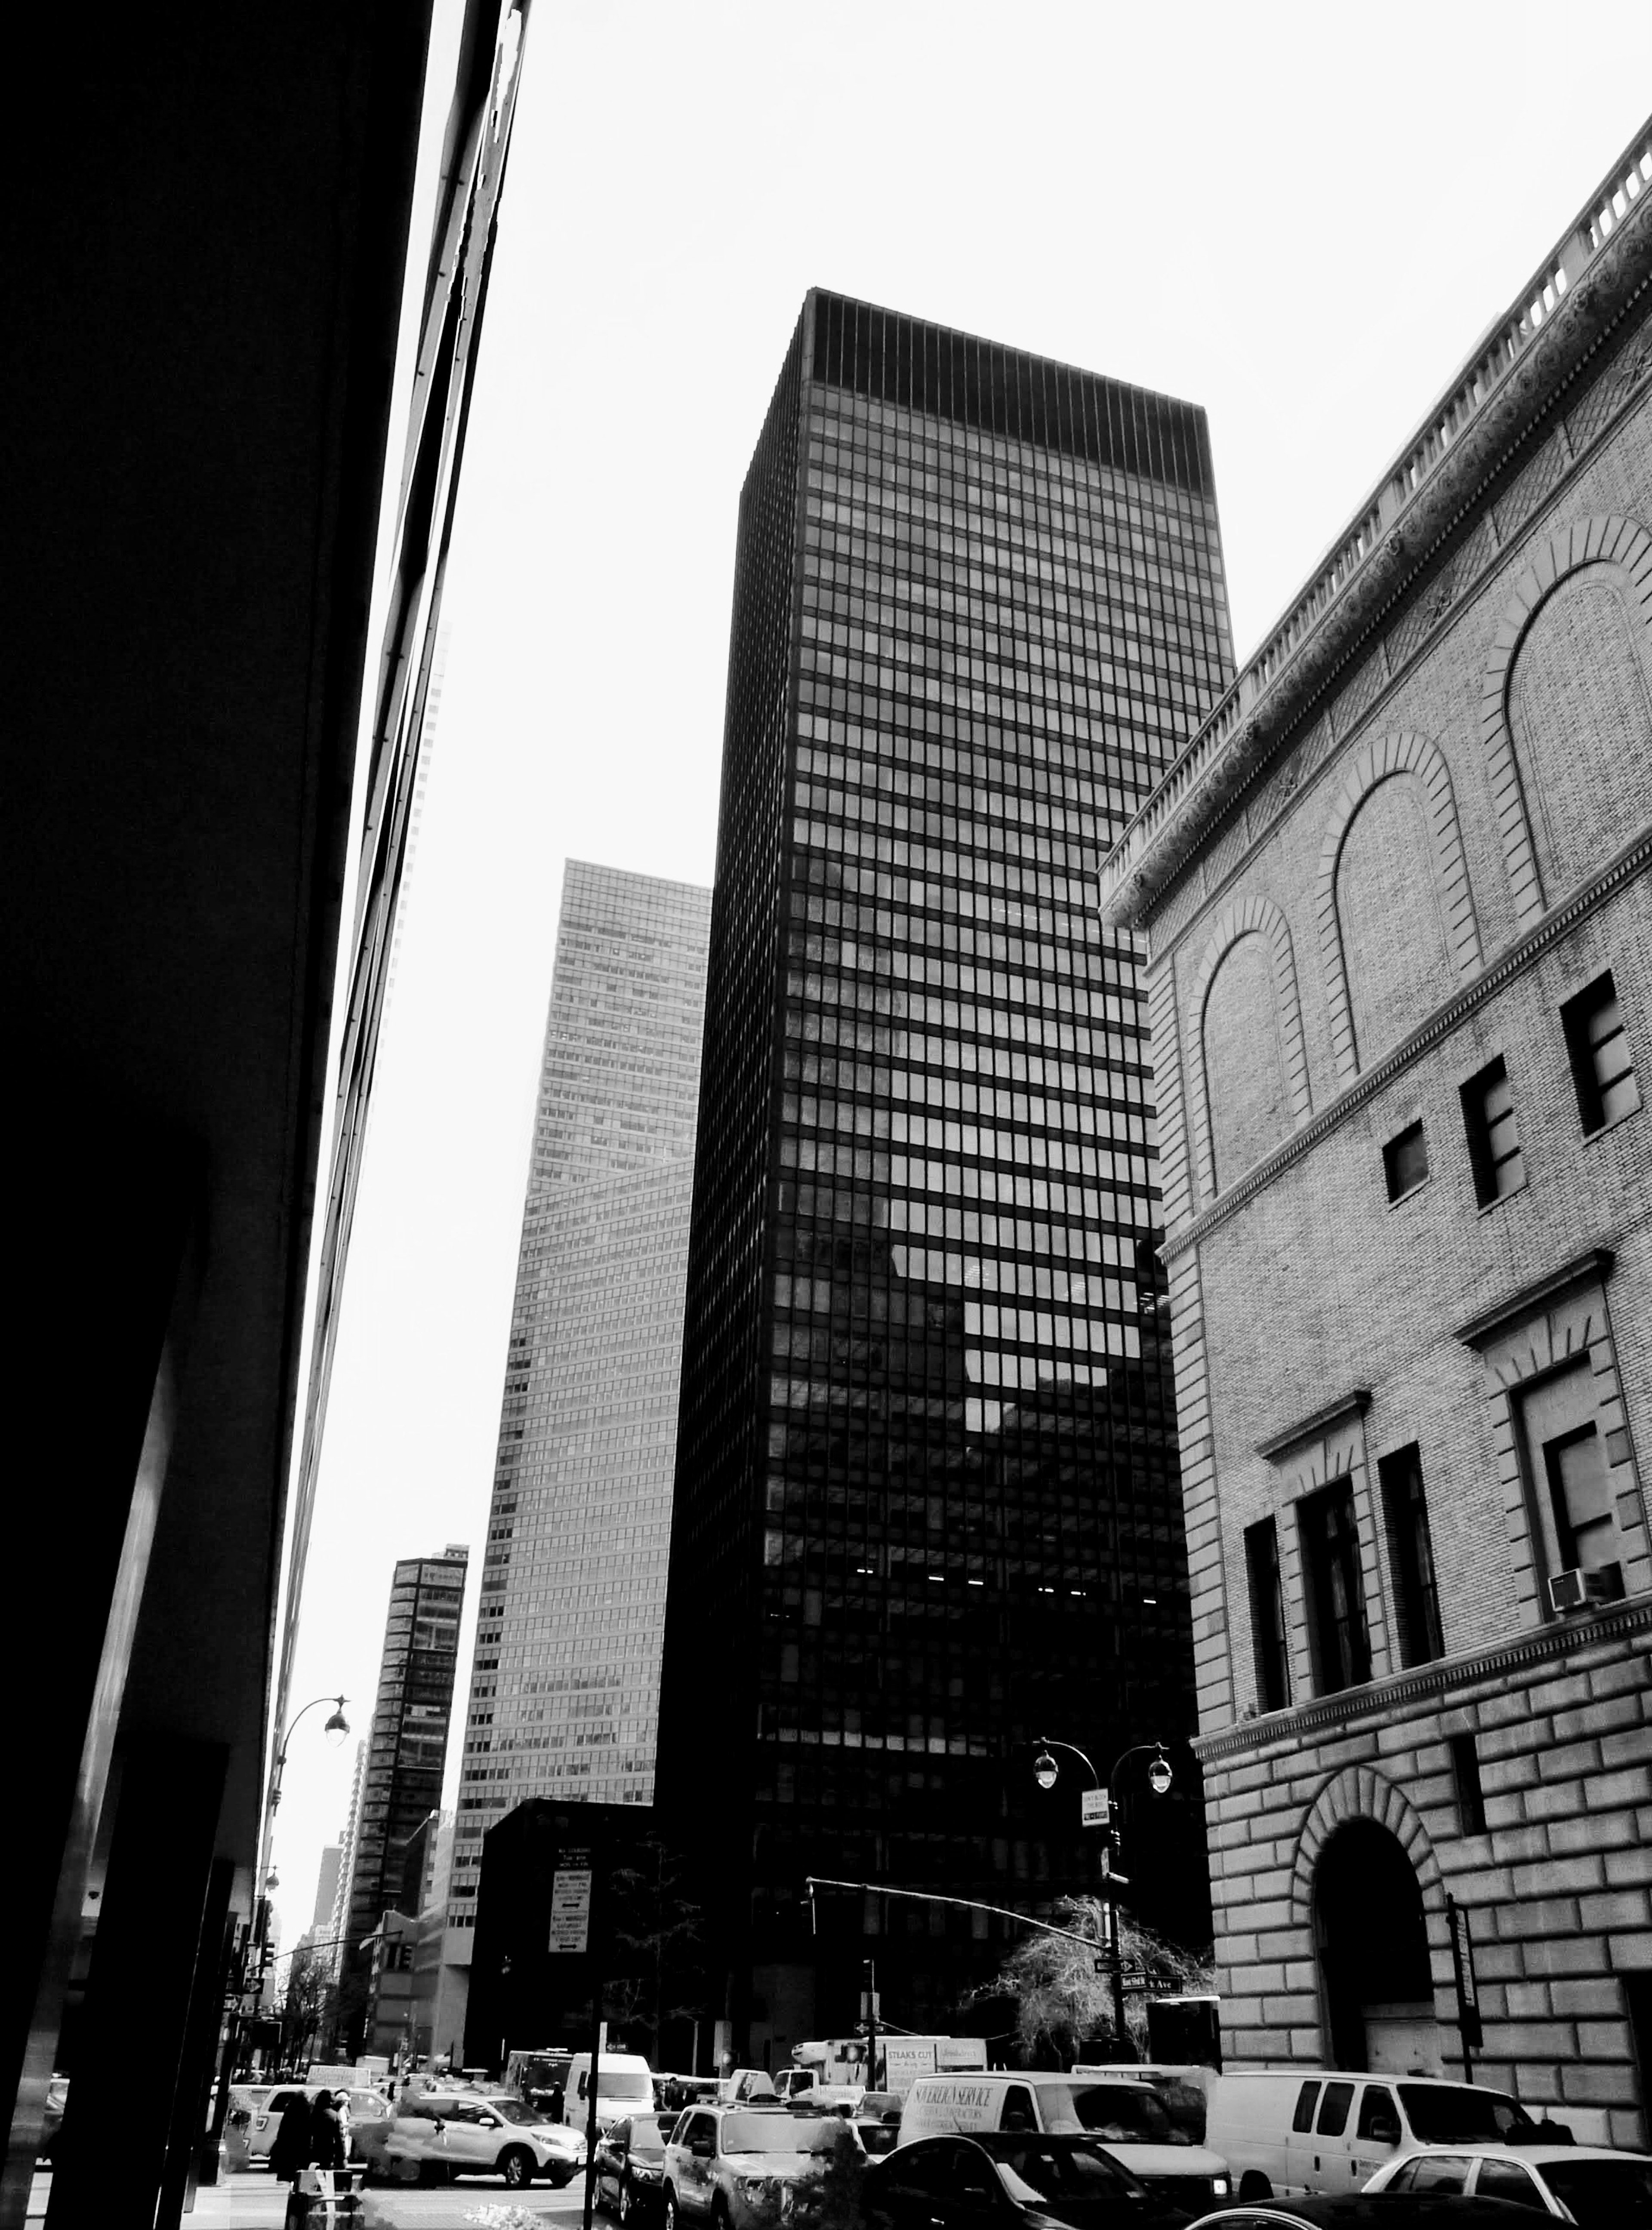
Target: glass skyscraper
(927, 1506)
(564, 1690)
(400, 1782)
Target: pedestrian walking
(329, 2146)
(291, 2150)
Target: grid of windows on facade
(970, 1479)
(564, 1687)
(406, 1749)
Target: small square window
(1602, 1071)
(1405, 1161)
(1493, 1137)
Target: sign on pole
(570, 1902)
(1095, 1810)
(1462, 1961)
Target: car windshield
(515, 2109)
(770, 2133)
(1127, 2114)
(1603, 2192)
(1455, 2114)
(646, 2139)
(632, 2083)
(1035, 2171)
(879, 2137)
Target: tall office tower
(327, 1888)
(564, 1690)
(926, 1502)
(400, 1782)
(338, 1932)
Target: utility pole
(870, 2015)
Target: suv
(727, 2166)
(438, 2135)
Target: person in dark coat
(328, 2147)
(291, 2151)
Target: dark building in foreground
(402, 1784)
(926, 1504)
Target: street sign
(1462, 1961)
(1095, 1810)
(570, 1902)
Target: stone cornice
(1593, 1268)
(1560, 321)
(1631, 862)
(1380, 1698)
(1352, 1404)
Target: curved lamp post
(1046, 1772)
(336, 1728)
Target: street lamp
(1046, 1773)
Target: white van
(1119, 2109)
(624, 2086)
(1291, 2131)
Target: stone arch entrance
(1366, 1885)
(1372, 1938)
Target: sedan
(1016, 2179)
(1368, 2210)
(1594, 2185)
(629, 2175)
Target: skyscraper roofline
(1005, 391)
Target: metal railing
(1625, 184)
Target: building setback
(926, 1503)
(401, 1782)
(566, 1682)
(1401, 987)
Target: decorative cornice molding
(1592, 1267)
(1635, 858)
(1583, 1630)
(1352, 1404)
(1464, 444)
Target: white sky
(1302, 216)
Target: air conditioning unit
(1576, 1589)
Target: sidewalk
(256, 2201)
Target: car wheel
(673, 2220)
(1254, 2185)
(625, 2202)
(516, 2166)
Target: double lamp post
(1099, 1808)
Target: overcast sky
(1300, 216)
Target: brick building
(1400, 988)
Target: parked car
(729, 2165)
(1313, 2129)
(630, 2177)
(1016, 2179)
(435, 2136)
(1596, 2186)
(1364, 2210)
(1128, 2118)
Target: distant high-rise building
(327, 1888)
(926, 1504)
(339, 1925)
(401, 1783)
(564, 1690)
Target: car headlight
(754, 2189)
(1219, 2187)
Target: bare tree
(1064, 1990)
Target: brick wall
(1448, 850)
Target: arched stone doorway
(1372, 1938)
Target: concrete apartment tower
(401, 1782)
(927, 1506)
(565, 1686)
(1398, 903)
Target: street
(255, 2201)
